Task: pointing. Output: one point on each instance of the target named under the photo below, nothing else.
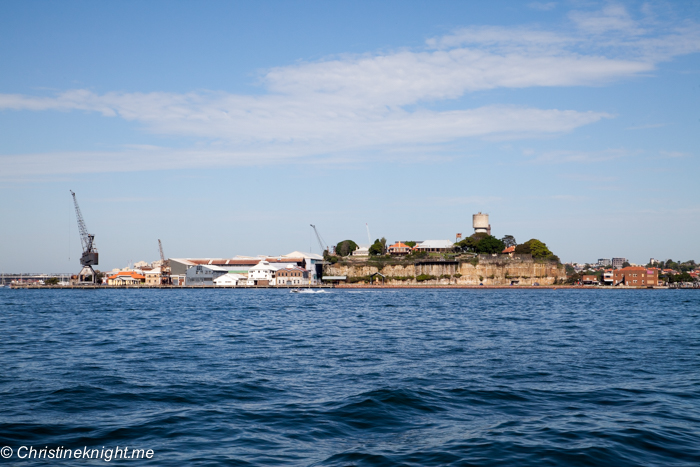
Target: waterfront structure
(636, 277)
(399, 249)
(618, 262)
(230, 280)
(203, 274)
(263, 273)
(152, 276)
(480, 222)
(589, 279)
(435, 246)
(126, 278)
(608, 276)
(292, 275)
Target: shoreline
(344, 286)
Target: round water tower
(480, 222)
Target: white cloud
(542, 6)
(382, 101)
(610, 18)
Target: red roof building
(399, 248)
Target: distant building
(399, 249)
(152, 276)
(618, 262)
(605, 262)
(126, 278)
(608, 277)
(264, 273)
(435, 246)
(636, 277)
(203, 274)
(589, 279)
(292, 275)
(510, 251)
(361, 250)
(231, 280)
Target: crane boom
(320, 240)
(162, 257)
(89, 256)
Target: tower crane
(164, 266)
(89, 258)
(320, 240)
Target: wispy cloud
(674, 154)
(377, 101)
(647, 127)
(542, 6)
(567, 156)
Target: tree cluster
(345, 248)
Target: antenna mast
(369, 237)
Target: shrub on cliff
(425, 277)
(535, 248)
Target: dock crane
(90, 257)
(164, 266)
(320, 240)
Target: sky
(227, 128)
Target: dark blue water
(415, 377)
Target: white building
(230, 280)
(435, 246)
(362, 250)
(264, 273)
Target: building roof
(131, 274)
(301, 254)
(510, 249)
(399, 245)
(436, 244)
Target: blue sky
(226, 128)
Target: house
(589, 279)
(510, 251)
(636, 277)
(152, 276)
(399, 249)
(292, 275)
(435, 246)
(362, 250)
(608, 277)
(126, 278)
(264, 273)
(231, 280)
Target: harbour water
(354, 377)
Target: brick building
(636, 277)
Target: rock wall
(488, 271)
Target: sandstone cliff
(486, 269)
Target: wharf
(160, 287)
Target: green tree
(377, 248)
(345, 247)
(535, 248)
(51, 281)
(411, 244)
(509, 241)
(489, 245)
(626, 264)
